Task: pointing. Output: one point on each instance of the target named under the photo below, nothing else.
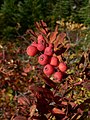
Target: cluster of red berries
(47, 58)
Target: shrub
(27, 93)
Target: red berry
(31, 50)
(54, 61)
(40, 47)
(51, 45)
(48, 70)
(57, 76)
(41, 40)
(43, 59)
(40, 37)
(62, 66)
(34, 44)
(48, 51)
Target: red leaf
(23, 100)
(1, 54)
(43, 31)
(44, 25)
(80, 111)
(56, 28)
(57, 111)
(19, 117)
(48, 81)
(41, 92)
(78, 83)
(31, 31)
(37, 25)
(64, 103)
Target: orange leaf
(53, 36)
(56, 28)
(57, 111)
(43, 31)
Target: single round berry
(31, 50)
(43, 59)
(51, 45)
(40, 47)
(48, 70)
(40, 36)
(41, 40)
(62, 67)
(57, 76)
(34, 44)
(54, 61)
(48, 51)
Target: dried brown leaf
(59, 39)
(32, 110)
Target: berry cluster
(47, 58)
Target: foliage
(77, 33)
(84, 13)
(26, 12)
(9, 19)
(26, 93)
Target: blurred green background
(16, 16)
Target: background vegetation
(24, 13)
